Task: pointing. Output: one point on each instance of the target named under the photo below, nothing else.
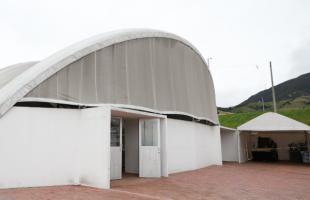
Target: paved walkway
(230, 181)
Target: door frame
(120, 146)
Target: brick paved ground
(231, 181)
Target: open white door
(116, 149)
(149, 148)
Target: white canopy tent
(281, 129)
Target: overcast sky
(239, 35)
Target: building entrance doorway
(136, 146)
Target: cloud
(238, 36)
(301, 59)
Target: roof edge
(124, 106)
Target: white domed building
(134, 101)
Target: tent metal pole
(238, 143)
(307, 138)
(246, 146)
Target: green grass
(302, 102)
(302, 115)
(237, 119)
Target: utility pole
(272, 88)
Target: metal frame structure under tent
(134, 101)
(268, 137)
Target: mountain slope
(291, 94)
(290, 89)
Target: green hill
(293, 100)
(287, 90)
(236, 119)
(291, 94)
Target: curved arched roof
(35, 73)
(9, 73)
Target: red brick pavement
(231, 181)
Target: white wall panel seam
(57, 86)
(95, 76)
(81, 80)
(171, 77)
(127, 78)
(151, 51)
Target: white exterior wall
(94, 155)
(229, 143)
(192, 145)
(47, 146)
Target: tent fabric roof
(9, 73)
(271, 121)
(29, 75)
